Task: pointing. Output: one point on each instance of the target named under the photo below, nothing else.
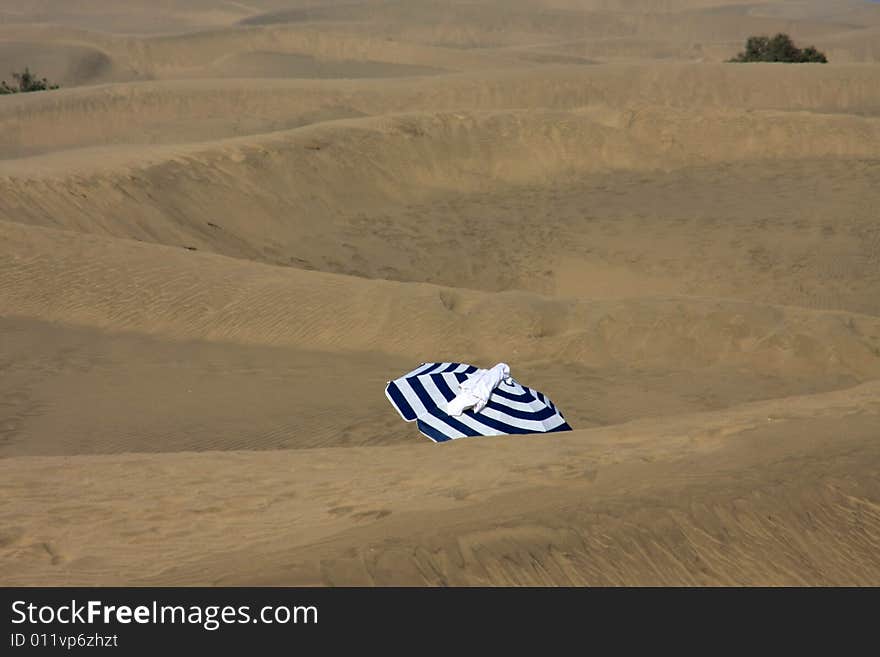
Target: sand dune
(129, 17)
(638, 356)
(206, 110)
(77, 45)
(703, 499)
(278, 200)
(63, 63)
(237, 221)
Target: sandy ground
(236, 221)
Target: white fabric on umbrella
(423, 396)
(476, 390)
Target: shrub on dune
(26, 82)
(779, 48)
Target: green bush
(25, 82)
(779, 48)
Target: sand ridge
(714, 493)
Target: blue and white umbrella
(422, 396)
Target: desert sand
(236, 221)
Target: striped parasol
(423, 394)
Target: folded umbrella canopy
(455, 400)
